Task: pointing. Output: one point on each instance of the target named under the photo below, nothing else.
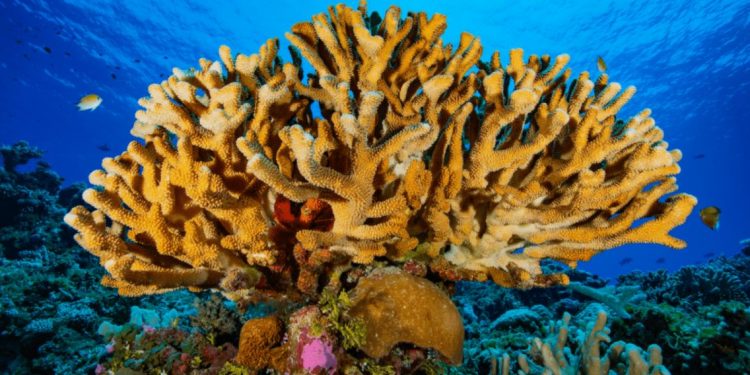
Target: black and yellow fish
(601, 65)
(710, 217)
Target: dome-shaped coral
(397, 307)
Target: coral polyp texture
(258, 180)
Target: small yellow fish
(710, 217)
(601, 65)
(89, 102)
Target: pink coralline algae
(314, 347)
(317, 354)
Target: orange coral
(491, 167)
(258, 344)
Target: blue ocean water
(690, 61)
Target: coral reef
(154, 349)
(712, 338)
(51, 306)
(490, 170)
(556, 355)
(696, 286)
(49, 297)
(50, 300)
(396, 151)
(700, 313)
(30, 201)
(698, 329)
(215, 319)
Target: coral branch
(490, 168)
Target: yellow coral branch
(492, 169)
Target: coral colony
(360, 192)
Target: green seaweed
(335, 307)
(371, 367)
(231, 368)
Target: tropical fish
(103, 147)
(660, 261)
(710, 217)
(700, 156)
(601, 65)
(625, 261)
(89, 102)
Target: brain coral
(256, 179)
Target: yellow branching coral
(404, 139)
(550, 170)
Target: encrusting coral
(257, 341)
(393, 313)
(257, 182)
